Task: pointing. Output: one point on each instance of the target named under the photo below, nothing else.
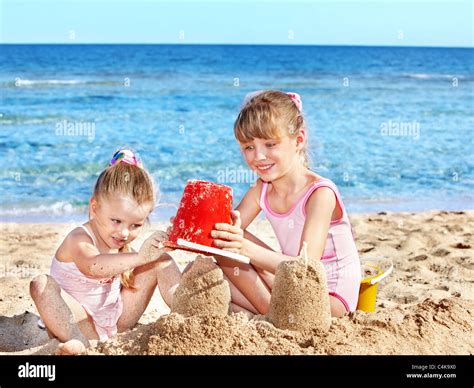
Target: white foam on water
(30, 82)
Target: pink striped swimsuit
(100, 297)
(340, 257)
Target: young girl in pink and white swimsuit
(97, 285)
(301, 206)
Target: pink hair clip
(295, 97)
(126, 156)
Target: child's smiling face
(119, 219)
(273, 158)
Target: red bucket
(202, 206)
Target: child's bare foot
(71, 348)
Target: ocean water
(392, 127)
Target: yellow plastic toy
(377, 269)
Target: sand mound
(430, 327)
(300, 298)
(202, 334)
(21, 332)
(424, 307)
(202, 290)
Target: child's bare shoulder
(71, 243)
(78, 235)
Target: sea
(391, 126)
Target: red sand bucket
(202, 206)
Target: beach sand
(426, 306)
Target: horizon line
(222, 44)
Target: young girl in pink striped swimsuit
(97, 285)
(301, 206)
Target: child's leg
(246, 279)
(63, 316)
(239, 301)
(267, 277)
(237, 309)
(337, 307)
(164, 272)
(168, 277)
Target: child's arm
(231, 237)
(94, 264)
(251, 237)
(319, 209)
(249, 207)
(248, 210)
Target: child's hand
(229, 237)
(153, 247)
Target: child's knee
(337, 307)
(41, 284)
(262, 304)
(163, 262)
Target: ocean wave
(27, 120)
(60, 208)
(434, 76)
(63, 211)
(31, 83)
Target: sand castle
(202, 290)
(300, 299)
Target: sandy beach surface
(426, 306)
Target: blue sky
(349, 22)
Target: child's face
(119, 220)
(272, 158)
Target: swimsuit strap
(263, 194)
(324, 183)
(90, 234)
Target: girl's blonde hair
(271, 114)
(125, 177)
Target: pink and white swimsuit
(340, 257)
(100, 297)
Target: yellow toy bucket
(374, 271)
